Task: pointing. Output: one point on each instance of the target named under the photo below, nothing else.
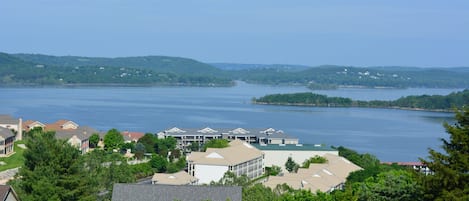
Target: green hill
(51, 70)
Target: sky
(423, 33)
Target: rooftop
(238, 152)
(178, 178)
(296, 147)
(7, 119)
(125, 192)
(261, 133)
(5, 133)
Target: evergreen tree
(450, 180)
(291, 165)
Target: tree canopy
(113, 140)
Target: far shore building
(277, 154)
(325, 177)
(240, 157)
(7, 139)
(178, 178)
(186, 137)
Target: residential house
(7, 121)
(277, 154)
(8, 194)
(61, 125)
(185, 137)
(31, 124)
(78, 137)
(240, 157)
(325, 177)
(130, 192)
(132, 136)
(178, 178)
(7, 139)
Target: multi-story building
(240, 157)
(7, 139)
(186, 137)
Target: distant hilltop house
(7, 139)
(325, 177)
(278, 154)
(240, 157)
(186, 137)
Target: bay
(392, 135)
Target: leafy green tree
(52, 171)
(216, 143)
(94, 140)
(315, 159)
(113, 140)
(128, 145)
(391, 185)
(139, 150)
(160, 163)
(148, 140)
(450, 180)
(195, 146)
(291, 165)
(273, 171)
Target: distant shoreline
(335, 106)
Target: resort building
(325, 177)
(178, 178)
(7, 139)
(185, 137)
(8, 122)
(240, 157)
(277, 154)
(126, 192)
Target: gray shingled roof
(6, 133)
(82, 132)
(129, 192)
(7, 119)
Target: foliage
(216, 143)
(315, 159)
(128, 145)
(141, 170)
(450, 180)
(148, 140)
(94, 140)
(160, 163)
(391, 185)
(273, 171)
(434, 102)
(291, 165)
(113, 140)
(139, 150)
(52, 171)
(195, 146)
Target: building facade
(240, 157)
(7, 139)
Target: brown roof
(28, 124)
(132, 136)
(58, 125)
(238, 152)
(323, 177)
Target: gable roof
(178, 178)
(238, 152)
(132, 136)
(324, 177)
(5, 190)
(5, 133)
(29, 124)
(58, 125)
(126, 192)
(82, 133)
(7, 119)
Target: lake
(392, 135)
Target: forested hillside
(425, 102)
(56, 71)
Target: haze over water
(392, 135)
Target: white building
(240, 157)
(277, 154)
(6, 121)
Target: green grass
(15, 160)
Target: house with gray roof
(131, 192)
(78, 137)
(7, 121)
(7, 139)
(185, 137)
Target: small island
(423, 102)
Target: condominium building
(240, 157)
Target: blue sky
(360, 32)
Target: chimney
(19, 134)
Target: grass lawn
(15, 160)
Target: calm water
(392, 135)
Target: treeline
(426, 102)
(16, 71)
(330, 76)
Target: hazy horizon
(311, 33)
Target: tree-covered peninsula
(423, 102)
